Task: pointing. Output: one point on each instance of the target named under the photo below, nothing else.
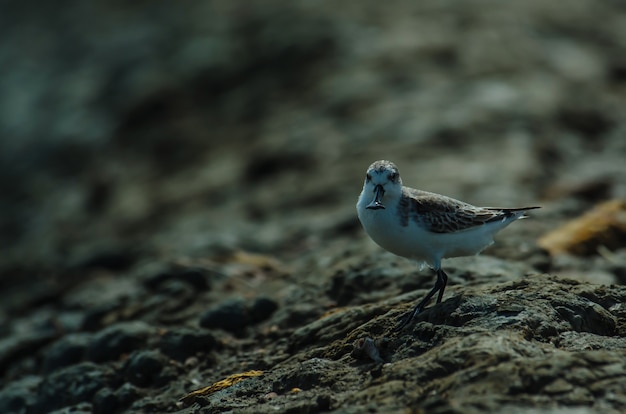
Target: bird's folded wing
(441, 214)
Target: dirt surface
(178, 206)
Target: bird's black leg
(440, 286)
(442, 278)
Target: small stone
(117, 339)
(105, 401)
(231, 316)
(30, 338)
(72, 385)
(19, 396)
(66, 351)
(80, 408)
(176, 288)
(182, 343)
(70, 321)
(262, 308)
(94, 316)
(234, 315)
(113, 258)
(558, 386)
(127, 393)
(196, 278)
(144, 367)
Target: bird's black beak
(379, 191)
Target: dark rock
(80, 408)
(584, 341)
(347, 287)
(23, 345)
(19, 396)
(24, 291)
(70, 321)
(314, 372)
(108, 401)
(105, 401)
(234, 315)
(153, 281)
(262, 308)
(72, 385)
(296, 315)
(118, 258)
(66, 351)
(143, 367)
(231, 316)
(117, 339)
(197, 278)
(617, 71)
(93, 319)
(586, 316)
(127, 393)
(181, 343)
(590, 122)
(175, 289)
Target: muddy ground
(178, 188)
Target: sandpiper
(425, 227)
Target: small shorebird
(425, 227)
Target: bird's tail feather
(510, 212)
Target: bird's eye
(393, 176)
(368, 177)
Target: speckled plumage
(441, 214)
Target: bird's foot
(406, 319)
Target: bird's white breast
(415, 242)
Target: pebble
(105, 401)
(72, 385)
(127, 393)
(231, 315)
(68, 350)
(182, 343)
(108, 401)
(143, 367)
(24, 338)
(197, 278)
(20, 347)
(262, 308)
(234, 315)
(112, 258)
(19, 396)
(123, 337)
(94, 315)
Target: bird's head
(383, 181)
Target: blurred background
(155, 130)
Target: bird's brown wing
(441, 214)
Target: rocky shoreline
(178, 227)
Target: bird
(425, 227)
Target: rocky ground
(177, 220)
